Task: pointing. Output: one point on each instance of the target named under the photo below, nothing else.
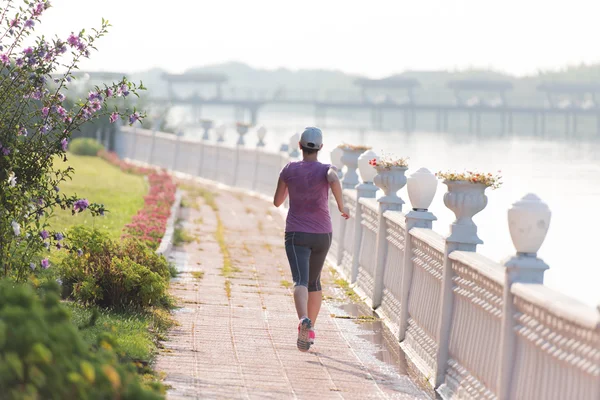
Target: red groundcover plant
(36, 123)
(150, 222)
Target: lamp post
(336, 160)
(261, 133)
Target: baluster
(368, 190)
(422, 186)
(390, 180)
(528, 222)
(465, 199)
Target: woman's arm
(336, 189)
(280, 193)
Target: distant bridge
(472, 98)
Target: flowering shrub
(489, 179)
(150, 222)
(352, 147)
(388, 162)
(43, 355)
(36, 126)
(113, 274)
(85, 147)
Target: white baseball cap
(312, 138)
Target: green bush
(113, 274)
(85, 147)
(43, 356)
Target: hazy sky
(374, 37)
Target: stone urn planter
(336, 161)
(207, 125)
(465, 199)
(350, 160)
(241, 129)
(390, 180)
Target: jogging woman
(308, 227)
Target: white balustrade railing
(369, 226)
(394, 269)
(471, 327)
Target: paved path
(236, 336)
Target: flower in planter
(388, 162)
(352, 147)
(488, 179)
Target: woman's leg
(314, 305)
(301, 300)
(298, 256)
(320, 248)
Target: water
(564, 174)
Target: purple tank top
(308, 189)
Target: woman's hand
(345, 212)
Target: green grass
(100, 182)
(198, 274)
(228, 268)
(285, 283)
(228, 288)
(136, 333)
(181, 236)
(345, 286)
(193, 192)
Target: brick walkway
(236, 336)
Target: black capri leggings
(306, 253)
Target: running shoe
(304, 327)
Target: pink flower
(113, 117)
(4, 59)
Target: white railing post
(152, 145)
(390, 180)
(177, 150)
(220, 133)
(133, 144)
(465, 199)
(242, 129)
(293, 146)
(201, 158)
(261, 133)
(528, 221)
(365, 189)
(422, 186)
